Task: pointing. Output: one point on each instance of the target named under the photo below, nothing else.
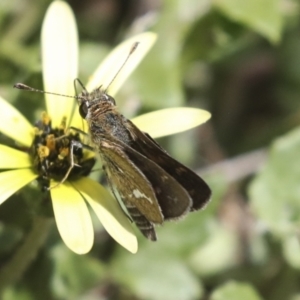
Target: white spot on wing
(138, 194)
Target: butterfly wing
(129, 181)
(144, 187)
(196, 187)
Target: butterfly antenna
(25, 87)
(132, 49)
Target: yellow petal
(109, 212)
(13, 159)
(109, 68)
(14, 124)
(72, 218)
(113, 62)
(171, 120)
(12, 181)
(60, 59)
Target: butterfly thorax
(104, 119)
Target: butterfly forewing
(133, 187)
(172, 198)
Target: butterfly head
(97, 101)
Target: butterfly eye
(83, 109)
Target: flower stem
(23, 256)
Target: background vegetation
(241, 61)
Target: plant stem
(23, 256)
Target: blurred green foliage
(238, 59)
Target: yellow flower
(59, 56)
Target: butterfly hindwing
(196, 187)
(173, 199)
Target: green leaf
(222, 246)
(74, 274)
(156, 275)
(9, 237)
(291, 250)
(12, 293)
(159, 78)
(235, 291)
(275, 192)
(264, 17)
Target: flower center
(52, 155)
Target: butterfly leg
(74, 144)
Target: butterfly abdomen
(142, 223)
